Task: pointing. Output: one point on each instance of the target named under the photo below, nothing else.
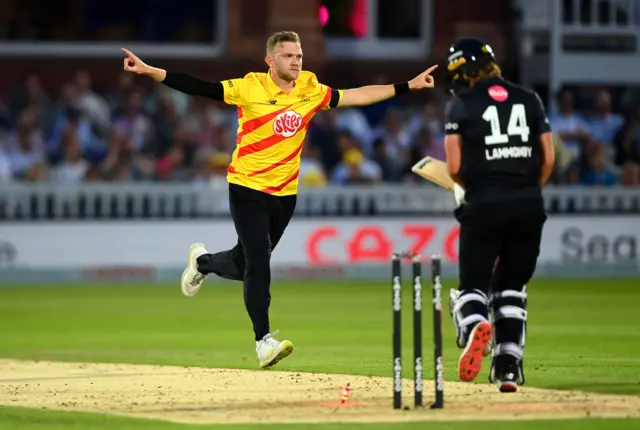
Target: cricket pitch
(200, 395)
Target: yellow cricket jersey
(271, 130)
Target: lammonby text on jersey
(509, 152)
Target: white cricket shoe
(192, 280)
(270, 350)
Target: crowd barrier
(106, 201)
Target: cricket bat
(435, 171)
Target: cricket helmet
(466, 57)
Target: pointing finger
(126, 51)
(431, 69)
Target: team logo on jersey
(498, 93)
(287, 123)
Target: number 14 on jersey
(517, 125)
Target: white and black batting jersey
(499, 123)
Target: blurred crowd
(132, 133)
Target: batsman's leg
(479, 243)
(508, 301)
(492, 287)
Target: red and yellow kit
(271, 130)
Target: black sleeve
(455, 115)
(194, 86)
(335, 99)
(542, 121)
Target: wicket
(396, 269)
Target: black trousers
(260, 220)
(499, 245)
(508, 231)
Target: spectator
(135, 124)
(73, 168)
(32, 95)
(424, 144)
(604, 124)
(356, 169)
(572, 128)
(354, 121)
(26, 148)
(127, 134)
(93, 106)
(597, 172)
(311, 170)
(122, 163)
(71, 120)
(165, 120)
(563, 160)
(381, 157)
(325, 135)
(430, 118)
(395, 143)
(203, 122)
(118, 95)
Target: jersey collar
(275, 90)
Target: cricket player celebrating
(274, 111)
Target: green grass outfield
(583, 334)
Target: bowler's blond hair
(281, 37)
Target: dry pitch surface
(199, 395)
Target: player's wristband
(401, 87)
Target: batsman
(499, 154)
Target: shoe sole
(190, 265)
(507, 387)
(470, 362)
(287, 349)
